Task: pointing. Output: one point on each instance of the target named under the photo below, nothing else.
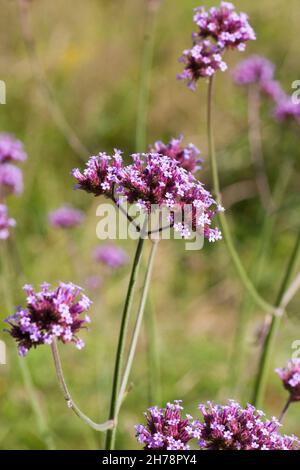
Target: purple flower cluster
(287, 110)
(187, 157)
(255, 69)
(227, 28)
(290, 376)
(166, 429)
(66, 217)
(5, 222)
(50, 314)
(232, 427)
(219, 28)
(100, 174)
(203, 60)
(11, 180)
(154, 180)
(228, 427)
(11, 149)
(111, 255)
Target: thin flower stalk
(110, 437)
(67, 396)
(154, 378)
(285, 409)
(256, 271)
(141, 140)
(255, 141)
(268, 347)
(138, 324)
(223, 221)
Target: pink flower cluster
(154, 181)
(228, 427)
(290, 376)
(225, 26)
(219, 28)
(5, 222)
(187, 157)
(232, 427)
(166, 429)
(11, 178)
(50, 314)
(66, 217)
(11, 149)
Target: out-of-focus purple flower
(290, 376)
(203, 60)
(66, 217)
(94, 282)
(166, 429)
(100, 174)
(187, 157)
(228, 28)
(11, 149)
(157, 180)
(11, 180)
(50, 314)
(232, 427)
(272, 89)
(111, 255)
(287, 110)
(255, 69)
(5, 222)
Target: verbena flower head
(203, 60)
(11, 180)
(255, 69)
(5, 222)
(157, 180)
(219, 28)
(66, 217)
(273, 89)
(287, 111)
(11, 149)
(50, 314)
(224, 25)
(232, 427)
(166, 429)
(111, 255)
(187, 157)
(290, 376)
(100, 174)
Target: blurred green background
(91, 53)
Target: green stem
(154, 385)
(284, 411)
(67, 396)
(257, 269)
(111, 434)
(147, 61)
(137, 327)
(265, 359)
(246, 281)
